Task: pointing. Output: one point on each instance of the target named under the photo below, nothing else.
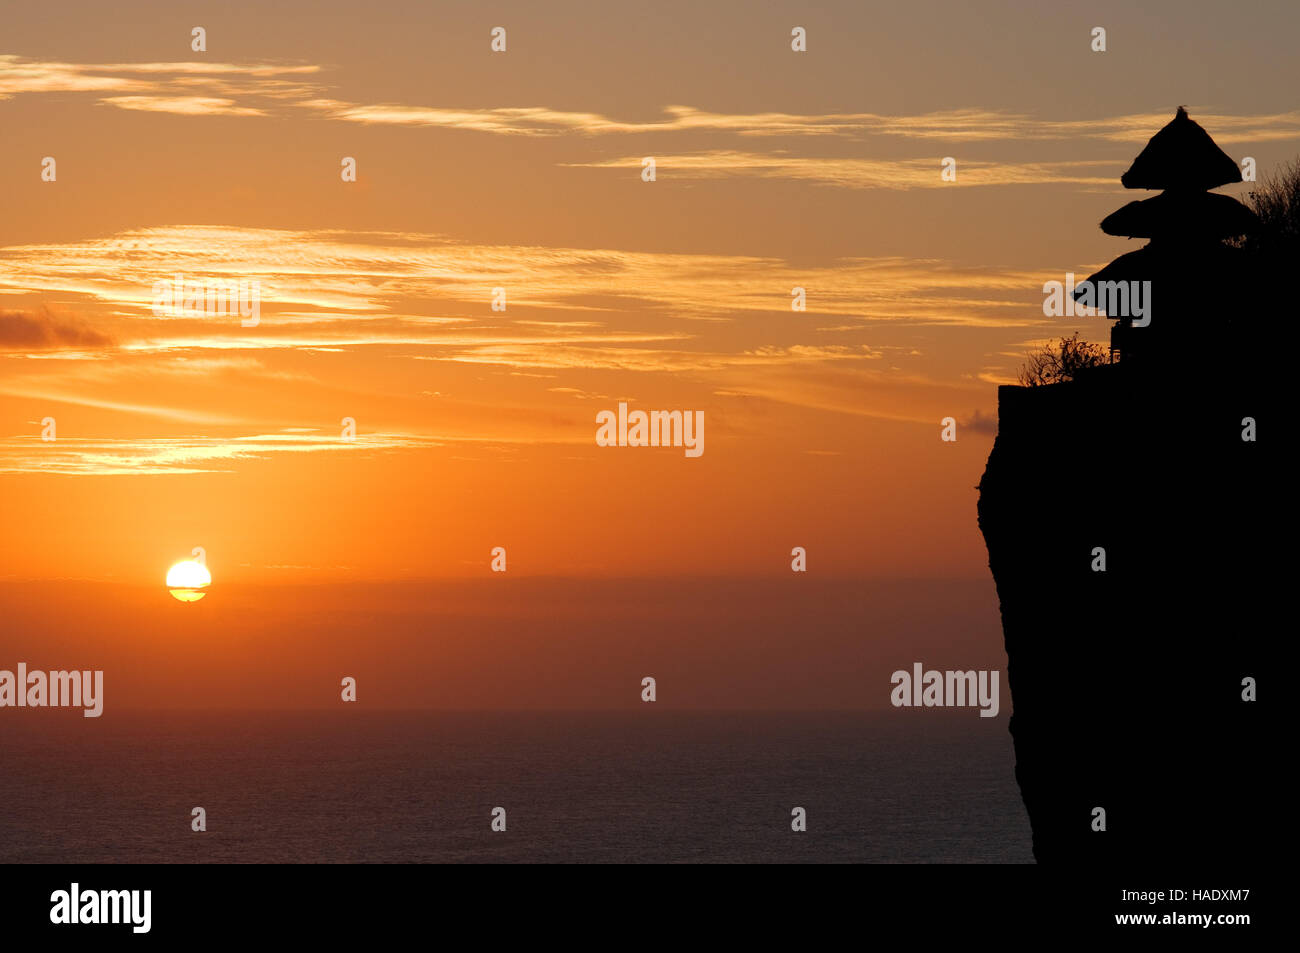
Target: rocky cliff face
(1127, 683)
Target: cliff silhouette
(1127, 682)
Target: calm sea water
(577, 787)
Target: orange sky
(522, 170)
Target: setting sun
(187, 579)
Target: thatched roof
(1140, 265)
(1181, 156)
(1200, 276)
(1182, 214)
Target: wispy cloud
(337, 289)
(123, 457)
(259, 89)
(154, 86)
(183, 105)
(48, 395)
(898, 174)
(955, 125)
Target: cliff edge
(1127, 674)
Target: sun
(187, 580)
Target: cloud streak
(25, 76)
(183, 105)
(179, 456)
(954, 125)
(333, 288)
(897, 174)
(261, 89)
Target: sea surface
(640, 786)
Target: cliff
(1127, 683)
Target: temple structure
(1194, 274)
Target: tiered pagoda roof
(1186, 225)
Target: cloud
(258, 89)
(859, 391)
(184, 455)
(43, 330)
(183, 105)
(723, 322)
(952, 126)
(182, 415)
(163, 87)
(896, 174)
(981, 423)
(330, 288)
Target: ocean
(643, 786)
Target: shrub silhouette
(1276, 202)
(1058, 363)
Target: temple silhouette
(1187, 225)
